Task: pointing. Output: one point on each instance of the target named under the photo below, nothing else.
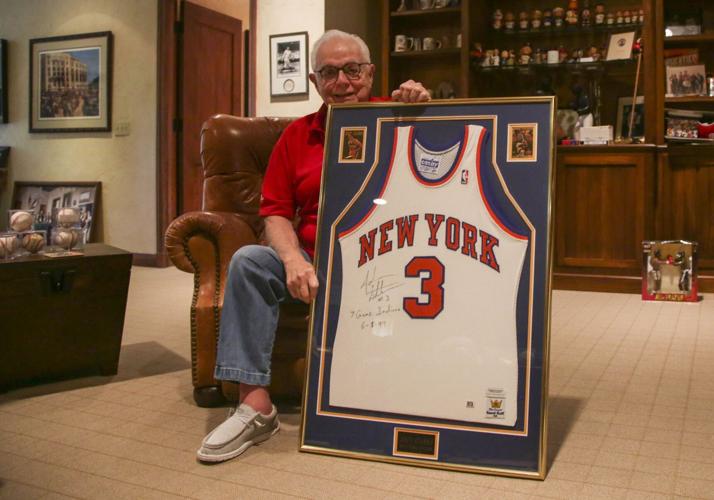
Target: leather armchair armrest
(203, 243)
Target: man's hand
(411, 91)
(301, 279)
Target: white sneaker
(241, 430)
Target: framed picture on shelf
(288, 64)
(625, 109)
(686, 80)
(71, 83)
(3, 81)
(620, 46)
(42, 197)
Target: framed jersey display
(429, 335)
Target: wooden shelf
(566, 31)
(687, 39)
(426, 53)
(426, 12)
(690, 98)
(584, 66)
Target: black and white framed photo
(3, 81)
(71, 83)
(42, 197)
(288, 64)
(624, 115)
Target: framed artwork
(71, 83)
(620, 46)
(686, 80)
(3, 81)
(624, 112)
(42, 197)
(288, 64)
(429, 335)
(521, 140)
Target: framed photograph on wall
(71, 83)
(433, 248)
(288, 64)
(42, 197)
(624, 111)
(3, 81)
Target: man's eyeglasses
(351, 70)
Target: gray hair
(329, 35)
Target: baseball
(33, 242)
(8, 244)
(21, 221)
(66, 239)
(67, 216)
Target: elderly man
(261, 277)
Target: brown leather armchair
(234, 155)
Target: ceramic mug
(402, 43)
(426, 4)
(431, 43)
(417, 44)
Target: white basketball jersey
(427, 318)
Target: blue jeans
(255, 287)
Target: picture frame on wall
(42, 197)
(624, 109)
(3, 81)
(71, 83)
(289, 64)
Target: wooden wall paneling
(604, 209)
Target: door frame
(168, 87)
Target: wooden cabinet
(609, 198)
(603, 212)
(62, 317)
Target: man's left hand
(411, 91)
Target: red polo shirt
(292, 180)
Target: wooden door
(211, 78)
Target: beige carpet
(632, 416)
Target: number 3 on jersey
(431, 286)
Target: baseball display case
(429, 335)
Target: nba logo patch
(464, 177)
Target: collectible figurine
(525, 54)
(523, 20)
(562, 54)
(627, 17)
(509, 21)
(571, 18)
(594, 53)
(477, 52)
(610, 18)
(497, 22)
(619, 18)
(558, 13)
(641, 16)
(511, 58)
(536, 16)
(585, 15)
(547, 18)
(599, 14)
(486, 62)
